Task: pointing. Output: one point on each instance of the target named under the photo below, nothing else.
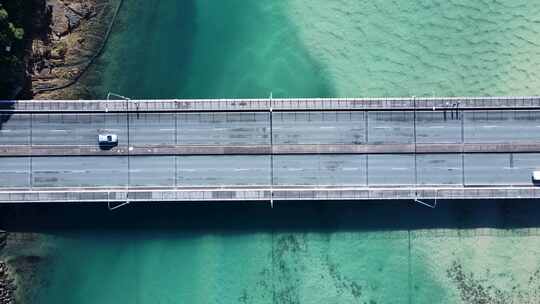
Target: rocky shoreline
(7, 283)
(22, 256)
(76, 34)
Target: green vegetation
(11, 49)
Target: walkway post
(126, 105)
(414, 139)
(366, 126)
(175, 115)
(462, 116)
(128, 150)
(31, 174)
(271, 155)
(415, 161)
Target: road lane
(152, 171)
(145, 171)
(433, 169)
(390, 169)
(79, 129)
(16, 130)
(289, 128)
(437, 127)
(14, 172)
(319, 127)
(223, 128)
(499, 126)
(223, 170)
(152, 128)
(320, 170)
(390, 127)
(93, 171)
(439, 169)
(500, 169)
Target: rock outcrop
(3, 239)
(7, 285)
(77, 30)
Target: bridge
(421, 149)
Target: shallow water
(331, 252)
(208, 49)
(423, 48)
(299, 48)
(304, 253)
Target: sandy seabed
(423, 48)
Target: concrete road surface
(432, 169)
(288, 128)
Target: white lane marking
(327, 127)
(381, 127)
(511, 168)
(350, 169)
(295, 169)
(241, 169)
(436, 127)
(166, 129)
(58, 130)
(7, 130)
(399, 168)
(489, 127)
(538, 126)
(187, 170)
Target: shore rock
(59, 23)
(67, 17)
(3, 239)
(77, 31)
(82, 9)
(74, 20)
(7, 285)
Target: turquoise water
(209, 49)
(300, 48)
(484, 252)
(321, 253)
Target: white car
(108, 139)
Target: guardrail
(267, 194)
(301, 104)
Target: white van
(536, 177)
(107, 139)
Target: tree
(8, 31)
(11, 63)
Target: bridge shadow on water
(5, 116)
(259, 217)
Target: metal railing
(301, 104)
(264, 194)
